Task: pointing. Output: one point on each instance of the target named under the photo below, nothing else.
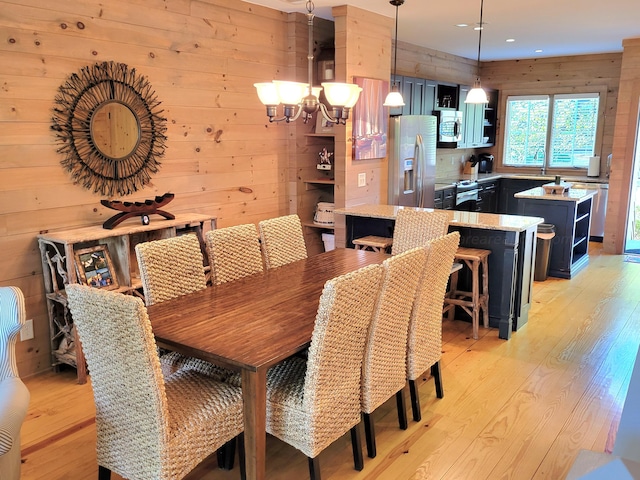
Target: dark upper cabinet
(418, 95)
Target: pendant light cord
(395, 46)
(480, 34)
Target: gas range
(465, 185)
(466, 195)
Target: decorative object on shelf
(341, 96)
(110, 129)
(134, 209)
(477, 94)
(325, 160)
(95, 267)
(324, 214)
(326, 63)
(323, 125)
(370, 120)
(394, 98)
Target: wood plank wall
(624, 148)
(223, 158)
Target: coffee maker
(485, 163)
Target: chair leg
(314, 468)
(415, 400)
(241, 457)
(402, 410)
(226, 455)
(369, 435)
(437, 377)
(356, 444)
(103, 473)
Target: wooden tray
(555, 188)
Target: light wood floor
(518, 409)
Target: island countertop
(572, 195)
(487, 221)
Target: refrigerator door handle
(418, 155)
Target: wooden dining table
(251, 324)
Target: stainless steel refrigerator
(412, 160)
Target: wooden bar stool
(477, 299)
(371, 242)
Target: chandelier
(302, 98)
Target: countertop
(441, 184)
(487, 221)
(572, 195)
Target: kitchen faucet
(542, 171)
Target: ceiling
(556, 27)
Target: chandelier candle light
(394, 98)
(477, 94)
(302, 98)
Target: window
(556, 131)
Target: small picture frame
(322, 124)
(95, 268)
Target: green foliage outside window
(551, 130)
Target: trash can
(546, 232)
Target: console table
(58, 249)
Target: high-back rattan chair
(147, 426)
(424, 345)
(313, 402)
(384, 371)
(234, 252)
(414, 228)
(170, 267)
(14, 396)
(282, 240)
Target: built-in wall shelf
(311, 184)
(319, 134)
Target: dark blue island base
(511, 264)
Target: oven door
(466, 200)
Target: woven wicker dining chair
(414, 228)
(282, 240)
(424, 344)
(169, 268)
(234, 252)
(311, 403)
(384, 372)
(147, 426)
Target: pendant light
(394, 98)
(477, 94)
(302, 98)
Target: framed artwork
(322, 125)
(95, 268)
(370, 119)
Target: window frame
(600, 90)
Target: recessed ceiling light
(509, 40)
(539, 50)
(462, 25)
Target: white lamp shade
(267, 93)
(291, 93)
(394, 99)
(355, 95)
(338, 94)
(476, 95)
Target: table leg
(254, 394)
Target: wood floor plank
(517, 409)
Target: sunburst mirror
(110, 128)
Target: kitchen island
(511, 239)
(570, 213)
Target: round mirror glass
(115, 130)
